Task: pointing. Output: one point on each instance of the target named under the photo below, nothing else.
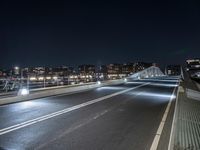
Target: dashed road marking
(45, 117)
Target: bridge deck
(124, 116)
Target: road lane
(127, 121)
(23, 111)
(63, 111)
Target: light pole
(22, 91)
(21, 72)
(28, 78)
(18, 73)
(44, 81)
(85, 73)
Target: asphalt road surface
(120, 117)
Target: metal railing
(10, 85)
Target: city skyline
(74, 66)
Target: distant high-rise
(86, 69)
(193, 64)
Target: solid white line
(174, 80)
(162, 123)
(45, 117)
(173, 122)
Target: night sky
(54, 33)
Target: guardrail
(198, 86)
(14, 93)
(45, 92)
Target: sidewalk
(186, 124)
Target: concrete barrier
(14, 93)
(56, 91)
(193, 94)
(198, 85)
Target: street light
(125, 79)
(16, 68)
(18, 72)
(23, 91)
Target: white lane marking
(162, 123)
(69, 130)
(73, 128)
(174, 117)
(45, 117)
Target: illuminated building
(86, 72)
(193, 64)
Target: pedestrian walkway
(186, 124)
